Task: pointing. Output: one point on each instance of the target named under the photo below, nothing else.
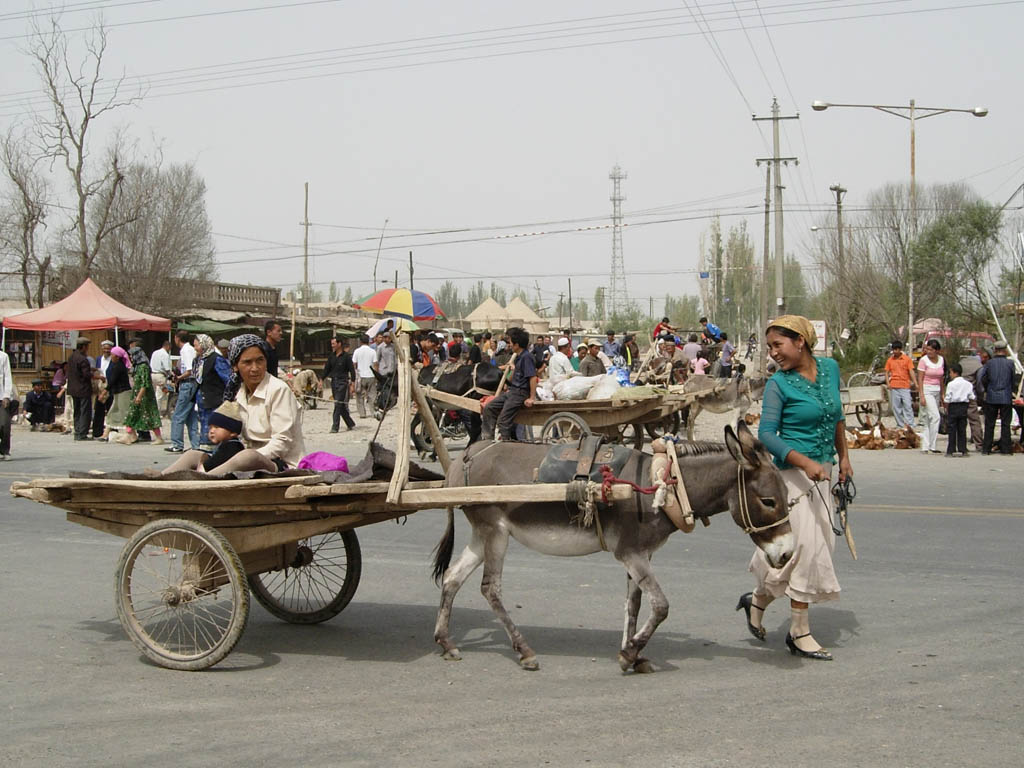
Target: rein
(748, 525)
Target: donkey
(737, 476)
(724, 395)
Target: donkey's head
(760, 505)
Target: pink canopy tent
(88, 308)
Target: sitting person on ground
(225, 427)
(521, 391)
(271, 420)
(39, 406)
(592, 365)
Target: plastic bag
(621, 374)
(576, 388)
(605, 388)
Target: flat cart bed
(867, 404)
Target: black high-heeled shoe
(746, 603)
(820, 655)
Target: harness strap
(741, 492)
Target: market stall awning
(88, 308)
(210, 327)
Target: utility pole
(780, 251)
(561, 298)
(764, 266)
(839, 191)
(570, 309)
(305, 250)
(410, 272)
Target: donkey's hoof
(452, 655)
(625, 662)
(643, 666)
(530, 663)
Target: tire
(564, 427)
(180, 594)
(318, 585)
(670, 425)
(450, 430)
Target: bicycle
(875, 373)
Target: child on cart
(225, 427)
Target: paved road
(927, 640)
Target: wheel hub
(303, 557)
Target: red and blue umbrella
(401, 302)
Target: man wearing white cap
(559, 367)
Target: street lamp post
(912, 112)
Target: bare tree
(79, 95)
(165, 237)
(24, 215)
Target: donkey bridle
(748, 524)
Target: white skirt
(809, 576)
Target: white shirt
(188, 355)
(6, 380)
(559, 367)
(364, 358)
(271, 421)
(160, 362)
(959, 390)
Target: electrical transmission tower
(617, 299)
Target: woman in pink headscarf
(119, 390)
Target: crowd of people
(954, 396)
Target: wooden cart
(867, 404)
(197, 549)
(621, 419)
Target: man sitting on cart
(522, 390)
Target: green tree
(599, 304)
(332, 292)
(447, 297)
(348, 298)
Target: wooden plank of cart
(197, 549)
(620, 418)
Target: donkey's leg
(633, 595)
(639, 568)
(691, 418)
(494, 560)
(454, 578)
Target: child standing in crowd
(959, 392)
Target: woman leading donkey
(802, 425)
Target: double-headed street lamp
(912, 112)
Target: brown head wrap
(798, 324)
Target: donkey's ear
(741, 446)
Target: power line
(185, 17)
(456, 59)
(92, 5)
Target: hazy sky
(506, 119)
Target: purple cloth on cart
(322, 461)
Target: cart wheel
(869, 413)
(180, 594)
(564, 427)
(668, 426)
(318, 584)
(627, 434)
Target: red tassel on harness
(609, 479)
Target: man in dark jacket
(342, 373)
(79, 386)
(996, 377)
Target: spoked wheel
(668, 426)
(180, 594)
(861, 379)
(627, 434)
(318, 583)
(868, 414)
(564, 427)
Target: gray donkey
(737, 476)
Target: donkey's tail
(444, 548)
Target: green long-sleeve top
(801, 415)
